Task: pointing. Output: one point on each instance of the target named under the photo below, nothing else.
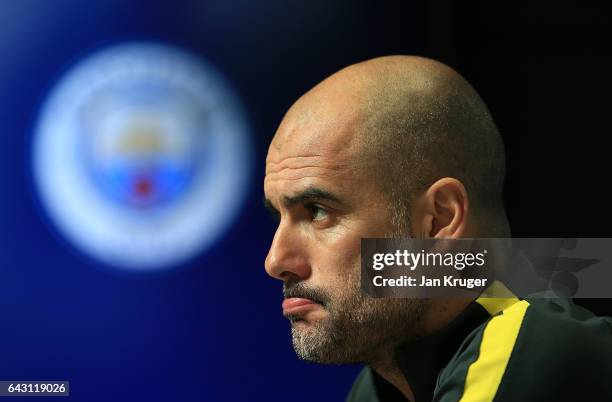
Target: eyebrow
(309, 194)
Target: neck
(386, 366)
(439, 313)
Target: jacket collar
(422, 360)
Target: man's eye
(316, 212)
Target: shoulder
(532, 350)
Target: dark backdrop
(213, 331)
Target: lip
(298, 305)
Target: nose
(287, 256)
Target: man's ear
(442, 210)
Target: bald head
(406, 122)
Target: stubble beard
(357, 328)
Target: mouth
(296, 307)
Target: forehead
(313, 145)
(321, 127)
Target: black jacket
(505, 349)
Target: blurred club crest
(141, 155)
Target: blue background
(213, 330)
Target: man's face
(326, 203)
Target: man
(404, 147)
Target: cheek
(336, 256)
(338, 267)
